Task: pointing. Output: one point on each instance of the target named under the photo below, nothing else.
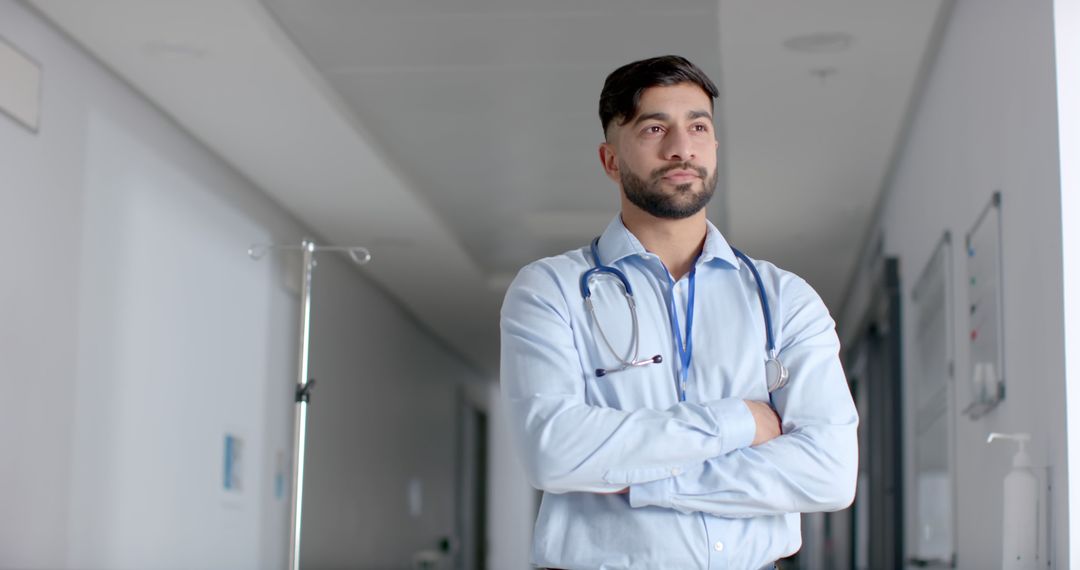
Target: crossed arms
(723, 457)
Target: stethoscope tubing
(776, 372)
(766, 313)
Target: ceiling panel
(458, 137)
(494, 111)
(810, 135)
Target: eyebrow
(696, 114)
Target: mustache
(659, 172)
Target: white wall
(383, 416)
(135, 333)
(987, 121)
(175, 349)
(38, 301)
(1067, 40)
(512, 503)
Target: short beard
(650, 197)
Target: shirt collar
(617, 243)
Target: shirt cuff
(736, 421)
(654, 494)
(737, 430)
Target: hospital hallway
(257, 252)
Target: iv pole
(304, 384)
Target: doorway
(876, 520)
(473, 488)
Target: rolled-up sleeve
(813, 465)
(568, 445)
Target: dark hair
(623, 88)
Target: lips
(681, 176)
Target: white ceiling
(458, 138)
(492, 106)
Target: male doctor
(665, 448)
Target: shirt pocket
(737, 378)
(630, 389)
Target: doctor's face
(664, 158)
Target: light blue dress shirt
(700, 495)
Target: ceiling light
(822, 42)
(178, 50)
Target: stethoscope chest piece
(776, 374)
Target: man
(674, 457)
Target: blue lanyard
(686, 350)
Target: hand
(767, 421)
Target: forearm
(812, 469)
(569, 446)
(813, 466)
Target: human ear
(609, 159)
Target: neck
(678, 243)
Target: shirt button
(676, 471)
(719, 546)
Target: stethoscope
(776, 374)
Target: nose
(678, 146)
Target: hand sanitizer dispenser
(1020, 539)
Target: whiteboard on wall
(933, 394)
(986, 376)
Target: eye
(653, 130)
(700, 128)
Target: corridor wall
(986, 121)
(135, 335)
